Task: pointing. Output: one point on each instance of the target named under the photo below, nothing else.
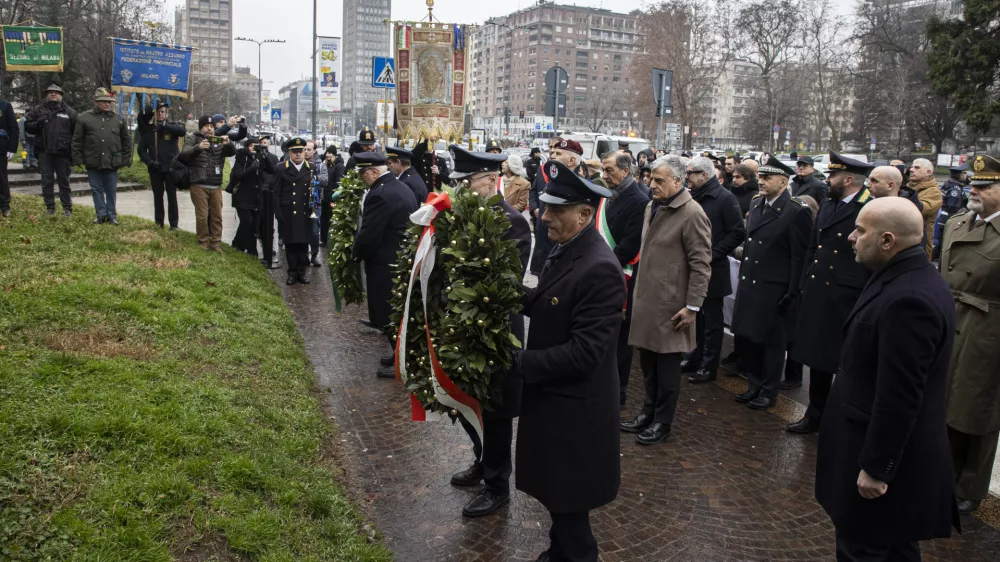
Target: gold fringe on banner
(161, 91)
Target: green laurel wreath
(473, 290)
(345, 272)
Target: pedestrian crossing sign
(383, 72)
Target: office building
(246, 87)
(510, 56)
(207, 25)
(366, 35)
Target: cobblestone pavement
(729, 485)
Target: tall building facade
(510, 56)
(207, 25)
(366, 35)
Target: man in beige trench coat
(970, 263)
(671, 286)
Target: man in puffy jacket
(205, 155)
(158, 143)
(52, 122)
(102, 144)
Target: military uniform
(409, 176)
(567, 436)
(970, 264)
(831, 283)
(493, 463)
(292, 186)
(764, 315)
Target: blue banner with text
(151, 68)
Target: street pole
(260, 77)
(315, 100)
(659, 128)
(555, 113)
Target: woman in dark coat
(249, 174)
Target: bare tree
(602, 104)
(692, 38)
(827, 53)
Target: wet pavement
(729, 485)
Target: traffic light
(659, 109)
(522, 114)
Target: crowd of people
(881, 282)
(834, 274)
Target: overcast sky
(291, 20)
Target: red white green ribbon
(605, 230)
(446, 392)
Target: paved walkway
(730, 485)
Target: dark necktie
(551, 260)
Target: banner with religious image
(430, 80)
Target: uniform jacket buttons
(812, 276)
(749, 239)
(835, 251)
(951, 268)
(968, 272)
(820, 246)
(744, 278)
(831, 268)
(827, 283)
(839, 235)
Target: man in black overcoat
(620, 224)
(292, 186)
(832, 280)
(385, 215)
(883, 467)
(568, 436)
(478, 171)
(805, 183)
(778, 227)
(398, 160)
(728, 232)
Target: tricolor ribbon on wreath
(605, 230)
(446, 392)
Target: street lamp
(260, 79)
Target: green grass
(156, 403)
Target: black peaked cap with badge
(368, 159)
(775, 167)
(297, 143)
(840, 163)
(493, 144)
(468, 163)
(400, 153)
(986, 170)
(565, 187)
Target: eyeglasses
(689, 172)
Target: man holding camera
(52, 122)
(205, 155)
(158, 144)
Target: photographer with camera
(205, 156)
(52, 122)
(335, 170)
(225, 129)
(253, 169)
(158, 143)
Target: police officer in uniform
(567, 437)
(365, 143)
(292, 186)
(970, 264)
(478, 171)
(493, 147)
(778, 228)
(399, 160)
(831, 283)
(385, 215)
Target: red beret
(570, 145)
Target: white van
(594, 144)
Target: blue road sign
(275, 115)
(383, 72)
(777, 128)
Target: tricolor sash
(605, 230)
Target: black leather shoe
(50, 211)
(790, 385)
(368, 323)
(485, 503)
(761, 403)
(292, 279)
(472, 476)
(688, 366)
(637, 424)
(315, 262)
(747, 396)
(966, 507)
(67, 213)
(702, 376)
(656, 433)
(386, 373)
(6, 213)
(805, 425)
(387, 360)
(304, 280)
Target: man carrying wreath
(478, 172)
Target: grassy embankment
(156, 403)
